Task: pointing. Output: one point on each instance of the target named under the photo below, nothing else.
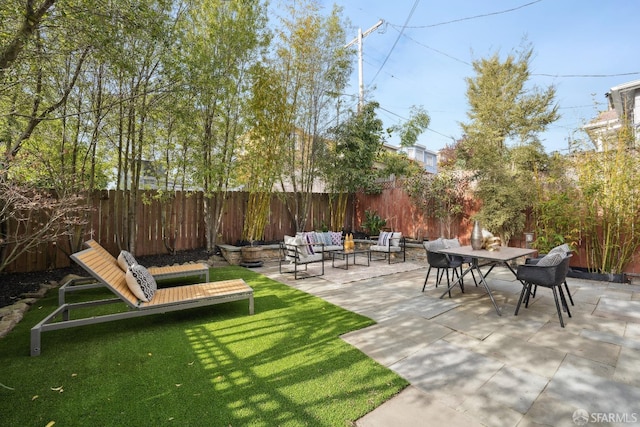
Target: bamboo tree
(262, 151)
(609, 182)
(314, 66)
(221, 40)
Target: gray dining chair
(442, 263)
(549, 272)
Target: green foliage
(398, 164)
(609, 183)
(555, 211)
(441, 195)
(373, 223)
(410, 130)
(349, 163)
(504, 110)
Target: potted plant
(373, 223)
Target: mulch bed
(13, 285)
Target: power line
(413, 9)
(634, 73)
(472, 17)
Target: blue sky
(573, 40)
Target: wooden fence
(179, 222)
(183, 224)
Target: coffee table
(345, 256)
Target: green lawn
(214, 366)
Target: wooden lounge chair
(165, 300)
(158, 273)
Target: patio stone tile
(594, 293)
(506, 397)
(465, 322)
(541, 361)
(632, 331)
(463, 340)
(414, 407)
(583, 320)
(628, 367)
(390, 341)
(427, 308)
(618, 309)
(589, 367)
(548, 410)
(592, 393)
(611, 338)
(555, 337)
(449, 372)
(388, 352)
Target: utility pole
(358, 40)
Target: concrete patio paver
(469, 367)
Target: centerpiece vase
(476, 236)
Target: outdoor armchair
(389, 244)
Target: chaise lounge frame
(165, 300)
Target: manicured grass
(214, 366)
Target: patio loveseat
(323, 240)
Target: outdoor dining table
(490, 258)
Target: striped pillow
(384, 238)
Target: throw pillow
(309, 238)
(395, 238)
(551, 259)
(302, 246)
(434, 245)
(336, 237)
(289, 240)
(384, 238)
(141, 283)
(126, 260)
(451, 243)
(326, 236)
(563, 249)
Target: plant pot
(251, 254)
(584, 273)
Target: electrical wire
(472, 17)
(413, 9)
